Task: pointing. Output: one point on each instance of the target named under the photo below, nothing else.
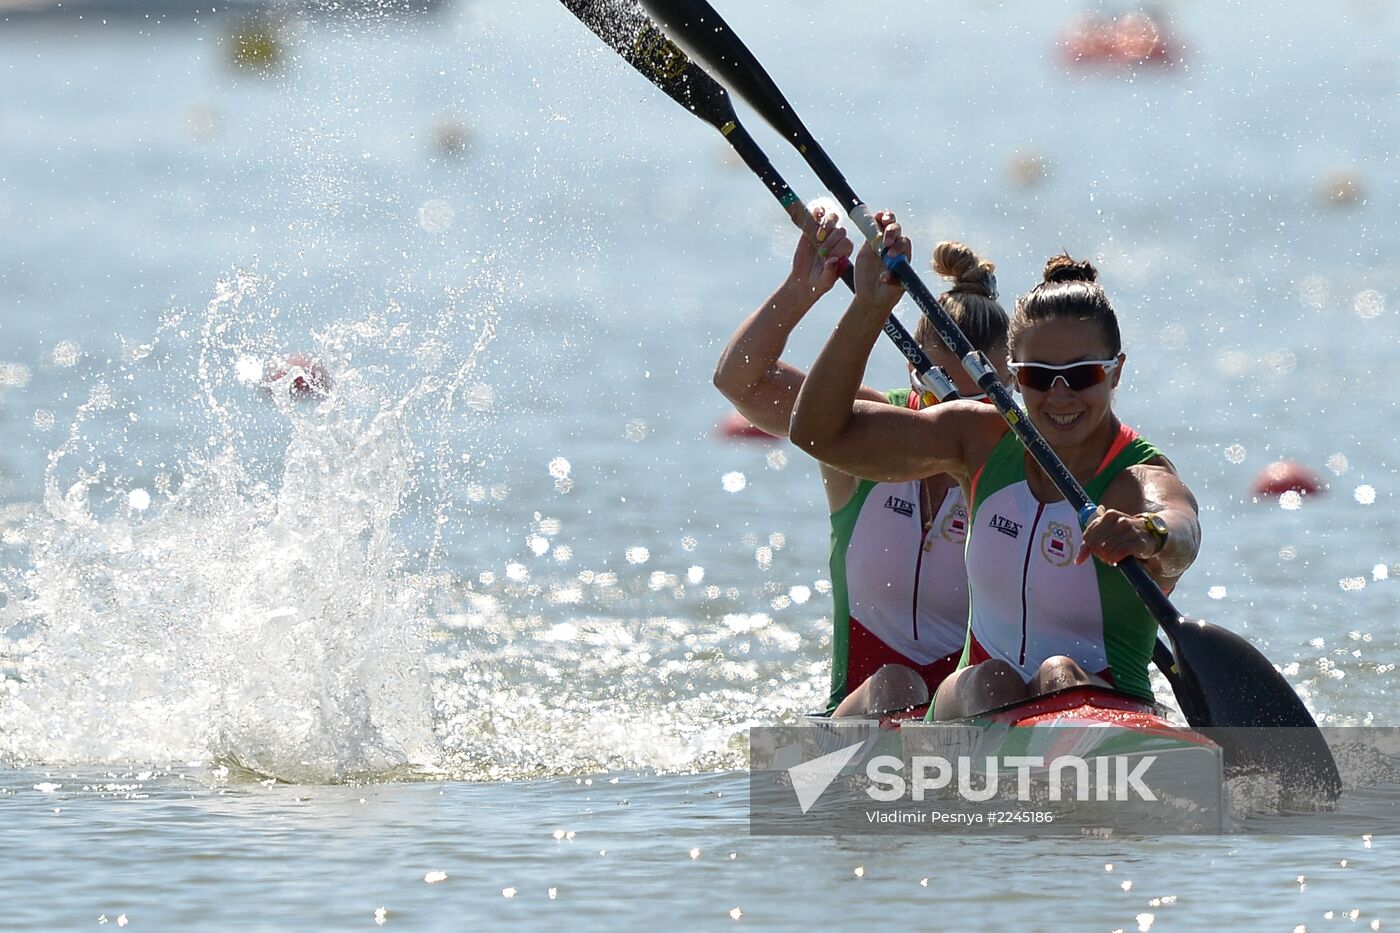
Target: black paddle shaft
(630, 32)
(707, 38)
(1251, 692)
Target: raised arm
(750, 372)
(881, 442)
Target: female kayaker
(1043, 615)
(898, 577)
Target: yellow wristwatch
(1155, 524)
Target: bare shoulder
(982, 427)
(953, 437)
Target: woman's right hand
(823, 252)
(876, 287)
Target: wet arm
(1152, 487)
(868, 439)
(831, 422)
(1163, 492)
(751, 373)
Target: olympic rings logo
(661, 57)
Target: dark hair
(971, 302)
(1070, 290)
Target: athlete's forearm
(1164, 494)
(1182, 545)
(822, 418)
(748, 367)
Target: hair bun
(970, 274)
(1065, 268)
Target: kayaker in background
(898, 578)
(1044, 616)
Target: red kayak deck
(1073, 706)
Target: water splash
(258, 613)
(290, 599)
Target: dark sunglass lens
(1033, 377)
(1082, 377)
(1078, 378)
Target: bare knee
(892, 688)
(996, 674)
(976, 689)
(903, 681)
(1060, 672)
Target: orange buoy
(735, 425)
(309, 378)
(1287, 476)
(1127, 41)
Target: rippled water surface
(477, 635)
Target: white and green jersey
(1029, 599)
(893, 580)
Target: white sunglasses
(1076, 376)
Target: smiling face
(1068, 418)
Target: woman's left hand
(1113, 535)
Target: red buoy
(1119, 42)
(309, 379)
(735, 425)
(1287, 476)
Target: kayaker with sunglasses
(898, 578)
(1043, 615)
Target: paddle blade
(701, 31)
(627, 29)
(1166, 663)
(1257, 717)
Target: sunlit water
(501, 606)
